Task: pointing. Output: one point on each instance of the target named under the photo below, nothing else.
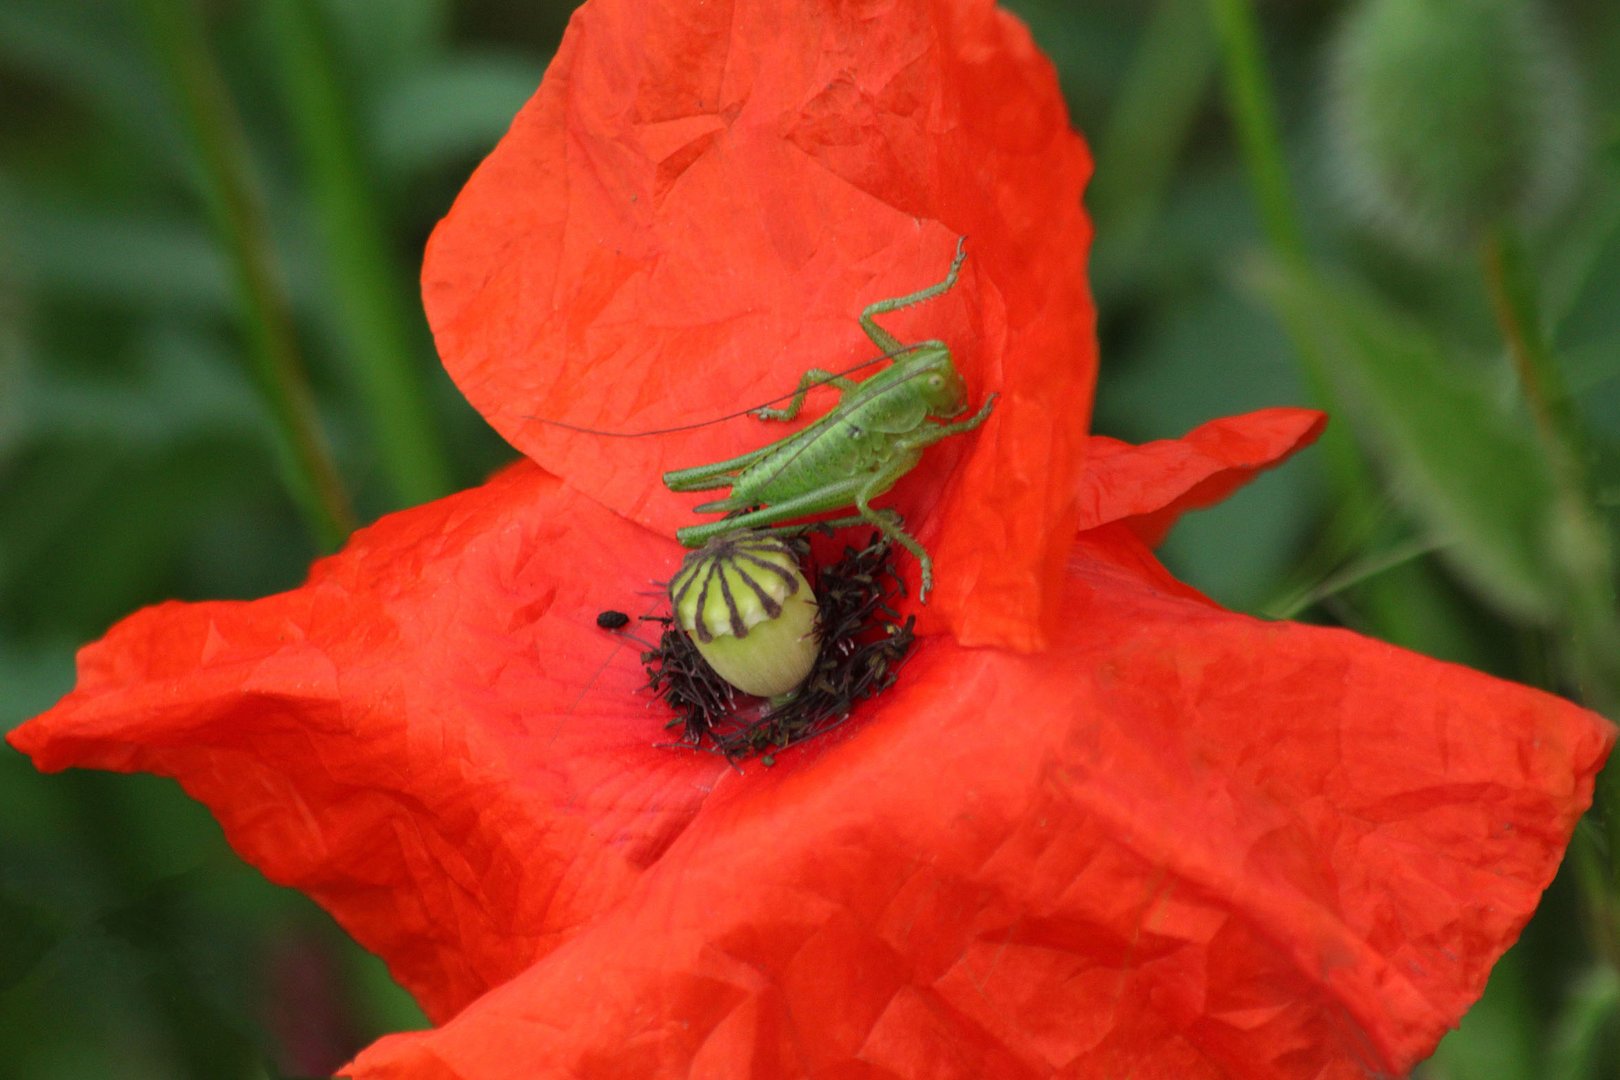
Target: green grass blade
(1158, 101)
(1588, 1032)
(1474, 476)
(1497, 1039)
(378, 322)
(451, 109)
(1356, 501)
(1248, 88)
(238, 220)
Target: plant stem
(377, 318)
(1580, 541)
(1355, 499)
(1578, 538)
(239, 224)
(1249, 96)
(1513, 301)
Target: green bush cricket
(856, 451)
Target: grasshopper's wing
(888, 402)
(898, 414)
(903, 416)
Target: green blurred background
(193, 195)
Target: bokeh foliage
(139, 459)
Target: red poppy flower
(1138, 836)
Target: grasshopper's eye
(936, 381)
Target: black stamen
(863, 644)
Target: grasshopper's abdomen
(838, 447)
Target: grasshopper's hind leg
(859, 490)
(820, 501)
(717, 475)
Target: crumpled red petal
(1150, 486)
(1182, 840)
(431, 737)
(700, 200)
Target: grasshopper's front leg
(887, 341)
(808, 381)
(930, 434)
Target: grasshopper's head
(938, 382)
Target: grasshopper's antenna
(720, 419)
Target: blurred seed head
(1447, 116)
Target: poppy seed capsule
(1450, 116)
(749, 611)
